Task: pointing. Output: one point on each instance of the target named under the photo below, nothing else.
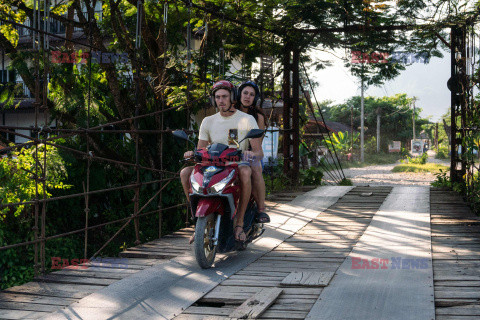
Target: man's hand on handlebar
(188, 154)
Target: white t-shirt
(218, 129)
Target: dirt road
(380, 175)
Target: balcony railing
(56, 27)
(19, 88)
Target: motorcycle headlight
(195, 185)
(218, 187)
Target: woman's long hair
(252, 110)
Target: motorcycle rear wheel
(203, 246)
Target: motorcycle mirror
(252, 134)
(180, 134)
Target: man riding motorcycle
(226, 126)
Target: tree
(396, 115)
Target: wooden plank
(255, 278)
(448, 317)
(124, 261)
(60, 278)
(448, 276)
(454, 302)
(299, 306)
(302, 259)
(119, 266)
(17, 314)
(307, 279)
(223, 311)
(252, 290)
(467, 310)
(463, 293)
(94, 274)
(55, 290)
(457, 283)
(13, 297)
(146, 254)
(251, 283)
(238, 298)
(26, 306)
(257, 304)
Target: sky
(427, 82)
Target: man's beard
(226, 109)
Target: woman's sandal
(262, 217)
(238, 235)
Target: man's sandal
(192, 238)
(238, 235)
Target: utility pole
(362, 125)
(351, 128)
(287, 107)
(413, 117)
(295, 115)
(378, 130)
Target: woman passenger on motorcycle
(248, 95)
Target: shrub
(311, 177)
(442, 153)
(442, 179)
(419, 160)
(415, 167)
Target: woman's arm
(261, 124)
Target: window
(10, 136)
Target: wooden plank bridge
(331, 253)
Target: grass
(412, 167)
(372, 159)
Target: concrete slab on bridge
(164, 291)
(388, 274)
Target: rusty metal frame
(465, 124)
(40, 46)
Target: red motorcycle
(214, 197)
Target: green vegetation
(346, 182)
(16, 180)
(276, 181)
(16, 223)
(442, 179)
(416, 167)
(342, 142)
(311, 176)
(395, 114)
(442, 153)
(417, 160)
(372, 159)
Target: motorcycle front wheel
(203, 245)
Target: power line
(323, 119)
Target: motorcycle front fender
(206, 206)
